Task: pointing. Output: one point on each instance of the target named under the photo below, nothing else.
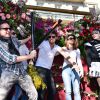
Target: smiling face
(71, 41)
(96, 34)
(52, 38)
(5, 30)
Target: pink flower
(23, 16)
(39, 24)
(2, 14)
(8, 16)
(0, 10)
(28, 19)
(82, 27)
(12, 10)
(14, 16)
(3, 17)
(60, 33)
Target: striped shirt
(8, 61)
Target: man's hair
(54, 32)
(3, 21)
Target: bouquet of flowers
(15, 14)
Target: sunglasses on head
(5, 29)
(95, 33)
(51, 36)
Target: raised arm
(25, 40)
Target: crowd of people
(13, 64)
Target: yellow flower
(37, 80)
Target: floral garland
(82, 29)
(16, 15)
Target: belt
(67, 66)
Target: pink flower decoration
(23, 16)
(8, 16)
(60, 33)
(2, 14)
(14, 16)
(39, 24)
(82, 27)
(28, 19)
(47, 28)
(3, 17)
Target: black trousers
(49, 81)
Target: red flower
(91, 29)
(14, 16)
(81, 34)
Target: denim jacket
(8, 61)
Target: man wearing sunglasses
(12, 69)
(47, 51)
(93, 56)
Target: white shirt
(46, 55)
(23, 50)
(75, 54)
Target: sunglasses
(5, 29)
(71, 38)
(95, 33)
(51, 36)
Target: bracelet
(68, 57)
(74, 63)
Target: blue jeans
(71, 80)
(18, 93)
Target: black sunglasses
(5, 29)
(71, 38)
(51, 36)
